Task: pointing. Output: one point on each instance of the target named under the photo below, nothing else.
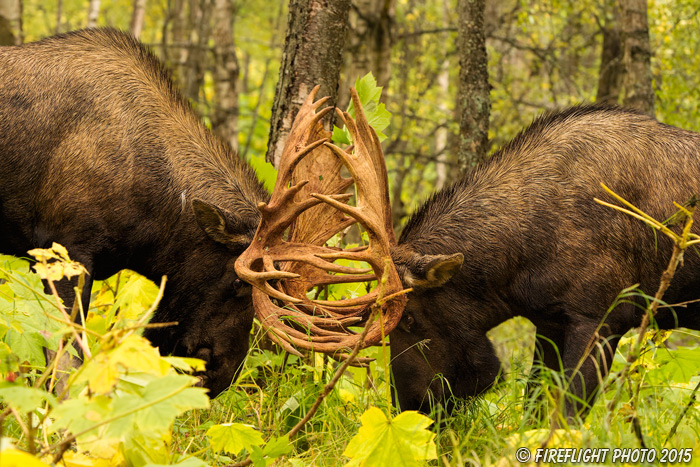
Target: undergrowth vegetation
(129, 406)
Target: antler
(310, 203)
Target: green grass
(275, 390)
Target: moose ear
(428, 271)
(214, 222)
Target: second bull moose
(522, 236)
(99, 152)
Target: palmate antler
(310, 204)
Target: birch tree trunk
(473, 99)
(93, 13)
(441, 134)
(196, 64)
(137, 18)
(639, 91)
(225, 115)
(313, 54)
(11, 22)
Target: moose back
(522, 235)
(99, 152)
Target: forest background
(460, 79)
(226, 55)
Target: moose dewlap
(522, 235)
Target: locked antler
(309, 200)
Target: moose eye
(240, 288)
(406, 322)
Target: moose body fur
(99, 152)
(522, 236)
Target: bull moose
(99, 152)
(522, 235)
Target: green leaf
(24, 399)
(164, 399)
(258, 457)
(678, 365)
(233, 437)
(265, 171)
(135, 297)
(378, 117)
(278, 447)
(402, 441)
(341, 135)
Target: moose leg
(66, 291)
(549, 343)
(588, 353)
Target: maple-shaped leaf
(233, 437)
(134, 353)
(401, 441)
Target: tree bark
(611, 62)
(179, 39)
(473, 99)
(639, 91)
(137, 18)
(313, 54)
(368, 45)
(225, 114)
(196, 65)
(11, 22)
(93, 13)
(59, 16)
(442, 134)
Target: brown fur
(536, 244)
(99, 152)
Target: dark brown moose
(522, 236)
(99, 152)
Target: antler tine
(314, 208)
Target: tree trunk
(11, 22)
(611, 62)
(369, 41)
(93, 13)
(473, 99)
(313, 54)
(639, 91)
(179, 40)
(137, 17)
(225, 114)
(196, 65)
(442, 134)
(59, 16)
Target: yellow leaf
(102, 374)
(42, 254)
(346, 396)
(76, 459)
(16, 458)
(60, 251)
(137, 354)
